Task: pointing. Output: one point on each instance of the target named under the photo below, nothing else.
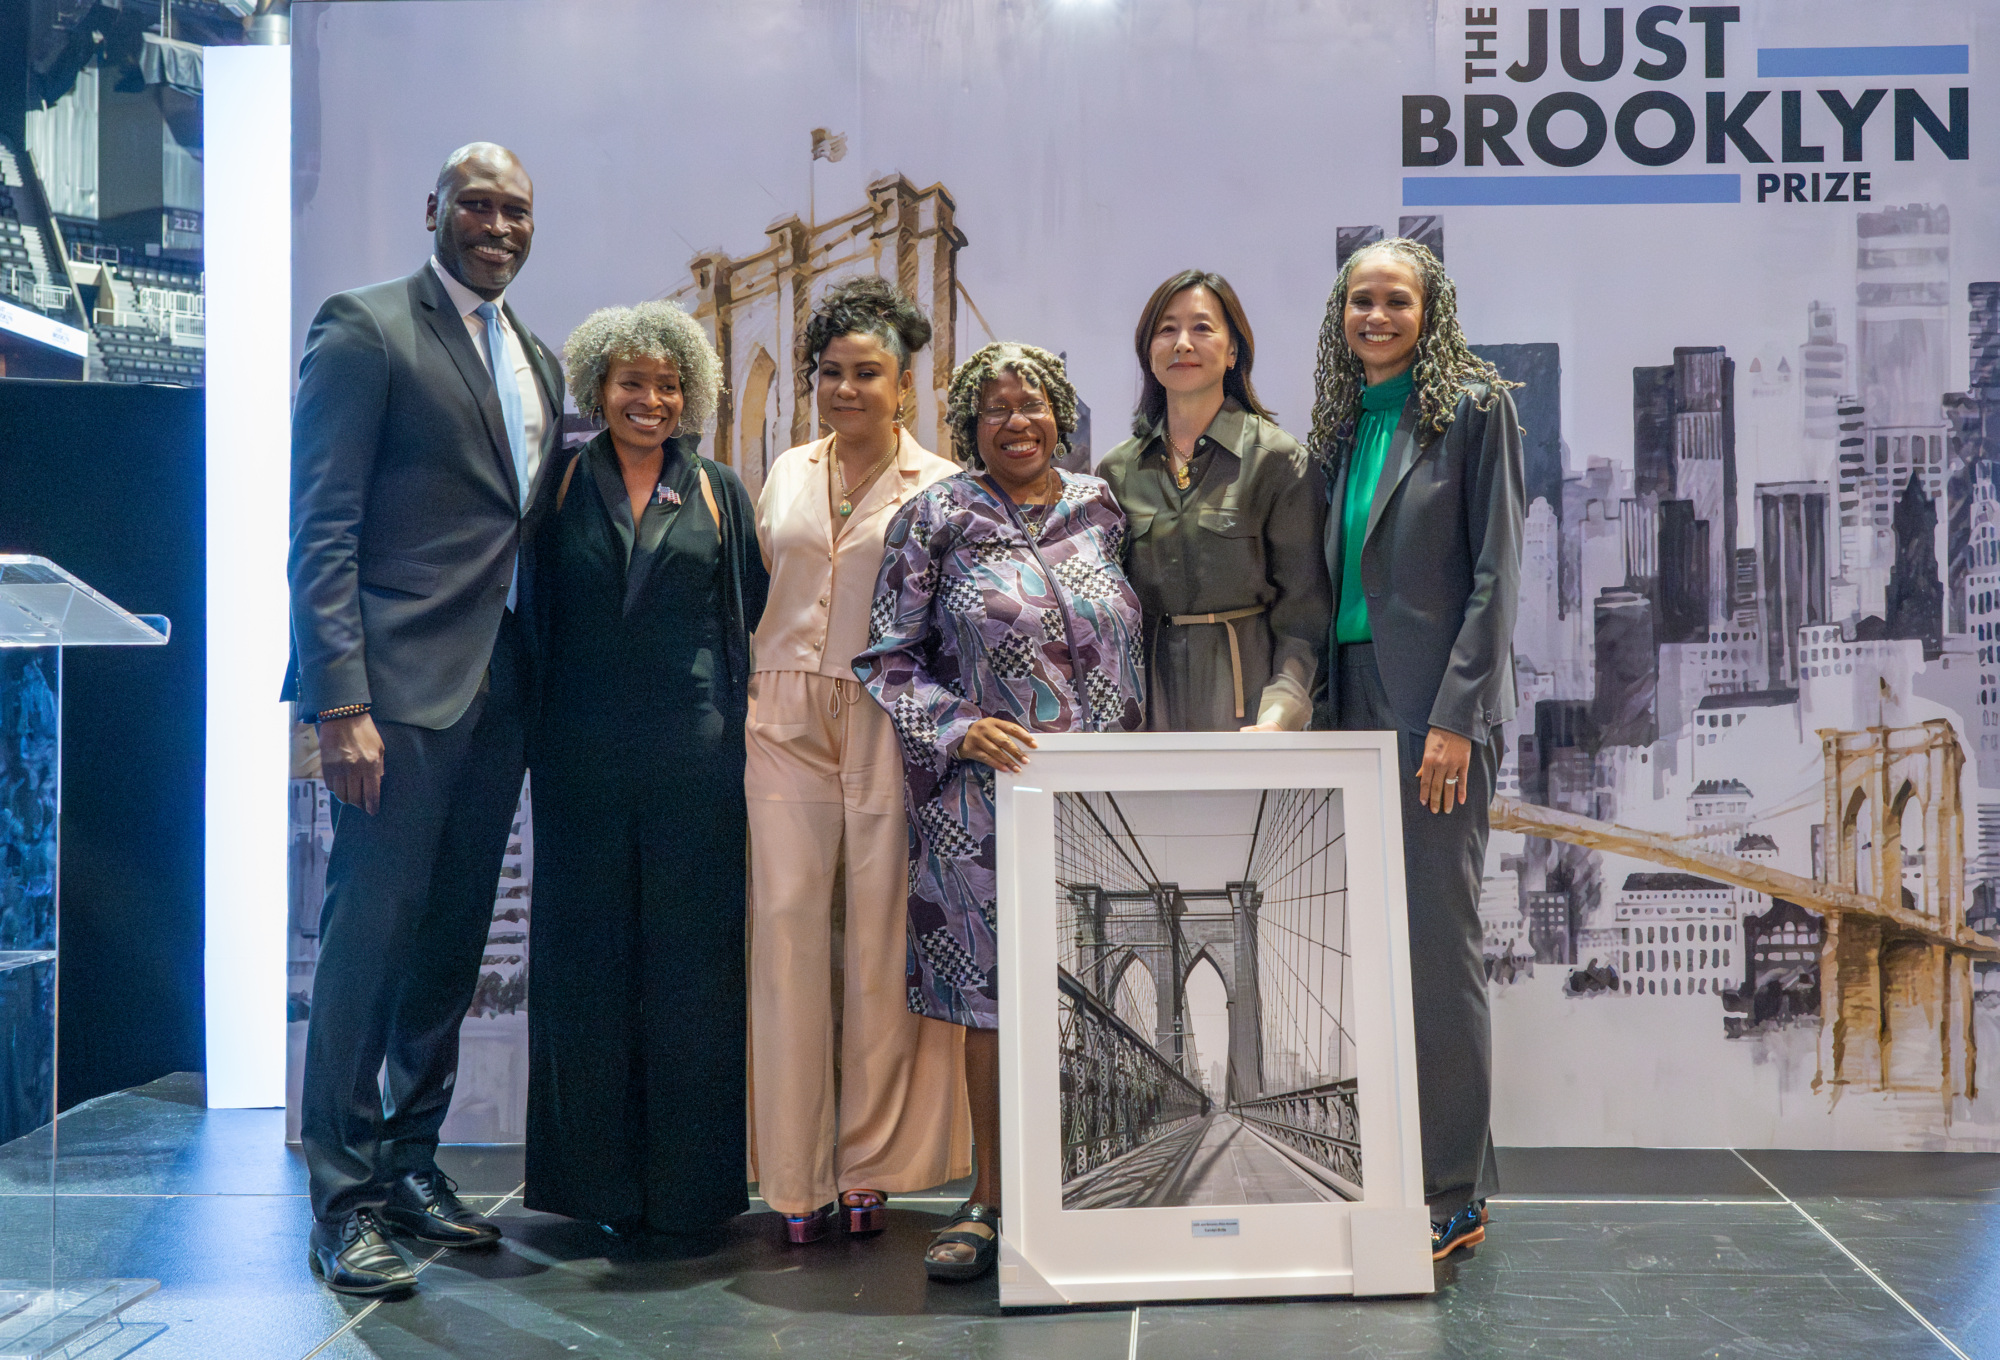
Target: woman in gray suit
(1422, 449)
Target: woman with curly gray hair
(1423, 544)
(1001, 612)
(647, 584)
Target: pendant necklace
(846, 506)
(1035, 516)
(1177, 462)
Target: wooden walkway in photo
(1214, 1159)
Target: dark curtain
(108, 481)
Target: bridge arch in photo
(1148, 1117)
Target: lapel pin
(666, 495)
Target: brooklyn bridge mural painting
(754, 307)
(1750, 816)
(1744, 882)
(1206, 1027)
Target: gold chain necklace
(1178, 461)
(1041, 509)
(1034, 515)
(846, 506)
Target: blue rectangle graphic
(1459, 191)
(1945, 59)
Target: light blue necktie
(510, 413)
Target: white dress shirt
(534, 410)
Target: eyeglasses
(1000, 415)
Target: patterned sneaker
(1465, 1228)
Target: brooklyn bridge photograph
(1207, 1020)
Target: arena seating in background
(30, 273)
(150, 321)
(149, 315)
(138, 354)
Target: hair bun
(876, 299)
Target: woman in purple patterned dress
(1001, 611)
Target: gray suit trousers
(1444, 859)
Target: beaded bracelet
(344, 711)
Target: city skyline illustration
(1687, 629)
(1650, 790)
(1789, 590)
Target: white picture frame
(1378, 1244)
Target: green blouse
(1381, 410)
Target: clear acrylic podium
(43, 609)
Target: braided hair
(1037, 368)
(1445, 365)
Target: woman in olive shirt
(1224, 518)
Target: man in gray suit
(422, 444)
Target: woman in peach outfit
(824, 783)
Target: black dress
(636, 1010)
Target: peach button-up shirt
(816, 618)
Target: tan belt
(1227, 618)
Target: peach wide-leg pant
(824, 773)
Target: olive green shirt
(1245, 534)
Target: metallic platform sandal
(866, 1212)
(810, 1226)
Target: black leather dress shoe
(1462, 1231)
(354, 1257)
(424, 1205)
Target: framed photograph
(1208, 1073)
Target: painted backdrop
(1745, 258)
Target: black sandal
(985, 1246)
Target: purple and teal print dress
(965, 626)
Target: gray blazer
(406, 520)
(1441, 567)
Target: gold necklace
(1054, 495)
(1035, 514)
(1177, 461)
(846, 506)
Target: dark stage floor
(1594, 1252)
